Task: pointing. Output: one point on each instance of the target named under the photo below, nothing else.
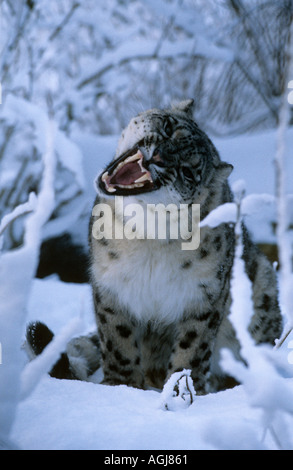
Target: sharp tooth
(133, 158)
(120, 165)
(110, 189)
(145, 177)
(143, 169)
(130, 186)
(137, 156)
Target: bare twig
(63, 23)
(9, 50)
(168, 55)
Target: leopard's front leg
(119, 348)
(194, 347)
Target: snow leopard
(159, 308)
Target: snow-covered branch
(227, 213)
(22, 166)
(141, 51)
(284, 238)
(17, 269)
(266, 387)
(19, 211)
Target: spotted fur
(160, 309)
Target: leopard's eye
(168, 129)
(187, 173)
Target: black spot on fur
(191, 335)
(195, 362)
(122, 360)
(109, 310)
(109, 345)
(102, 318)
(219, 274)
(184, 344)
(207, 356)
(97, 297)
(103, 241)
(218, 243)
(266, 303)
(95, 340)
(203, 253)
(204, 316)
(123, 330)
(252, 270)
(125, 373)
(113, 368)
(187, 341)
(214, 321)
(113, 255)
(187, 264)
(204, 346)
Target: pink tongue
(128, 174)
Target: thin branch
(63, 23)
(169, 54)
(252, 33)
(20, 210)
(8, 134)
(13, 44)
(258, 88)
(283, 339)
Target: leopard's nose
(156, 158)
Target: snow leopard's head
(163, 151)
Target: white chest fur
(151, 283)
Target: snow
(69, 154)
(25, 208)
(66, 415)
(86, 416)
(17, 270)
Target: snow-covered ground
(63, 414)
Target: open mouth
(127, 175)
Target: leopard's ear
(225, 169)
(185, 106)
